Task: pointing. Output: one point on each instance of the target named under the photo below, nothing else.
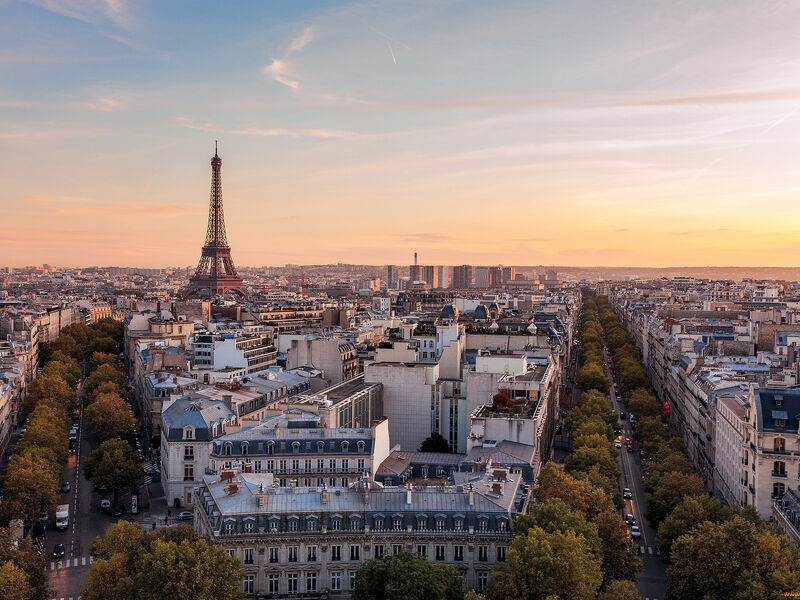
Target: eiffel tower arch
(215, 274)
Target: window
(245, 447)
(270, 466)
(295, 447)
(440, 549)
(501, 553)
(459, 524)
(248, 527)
(292, 553)
(273, 555)
(273, 583)
(336, 581)
(779, 444)
(483, 553)
(355, 552)
(291, 583)
(292, 524)
(351, 575)
(227, 449)
(311, 524)
(482, 525)
(248, 556)
(282, 466)
(362, 465)
(336, 524)
(188, 433)
(228, 527)
(231, 553)
(354, 524)
(320, 465)
(378, 551)
(779, 468)
(311, 553)
(336, 553)
(458, 552)
(483, 580)
(249, 584)
(273, 525)
(345, 446)
(502, 525)
(258, 466)
(188, 453)
(398, 524)
(311, 581)
(778, 489)
(345, 465)
(307, 466)
(439, 524)
(188, 472)
(295, 466)
(271, 448)
(361, 446)
(422, 524)
(422, 550)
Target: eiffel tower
(215, 275)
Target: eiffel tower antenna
(215, 274)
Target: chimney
(408, 493)
(323, 496)
(228, 400)
(366, 492)
(476, 465)
(471, 495)
(262, 497)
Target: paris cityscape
(348, 300)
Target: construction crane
(302, 277)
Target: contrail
(392, 52)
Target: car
(626, 493)
(39, 529)
(58, 551)
(617, 444)
(633, 419)
(622, 416)
(630, 519)
(65, 487)
(628, 441)
(629, 448)
(117, 511)
(105, 504)
(616, 385)
(185, 515)
(635, 532)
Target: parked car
(633, 418)
(617, 444)
(185, 515)
(65, 487)
(623, 415)
(58, 551)
(635, 533)
(105, 504)
(629, 447)
(626, 493)
(117, 511)
(630, 519)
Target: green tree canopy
(47, 429)
(50, 388)
(114, 464)
(621, 590)
(103, 373)
(555, 515)
(592, 377)
(406, 576)
(435, 443)
(672, 489)
(31, 486)
(579, 495)
(109, 417)
(691, 512)
(22, 554)
(620, 554)
(14, 583)
(541, 565)
(68, 370)
(102, 358)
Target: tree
(30, 487)
(77, 331)
(67, 369)
(543, 565)
(581, 496)
(473, 595)
(65, 344)
(102, 343)
(113, 464)
(672, 488)
(186, 571)
(406, 576)
(102, 358)
(50, 388)
(592, 377)
(109, 417)
(620, 555)
(553, 516)
(584, 457)
(14, 583)
(690, 513)
(500, 401)
(22, 554)
(123, 537)
(732, 559)
(621, 590)
(103, 373)
(435, 443)
(108, 387)
(47, 429)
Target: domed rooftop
(449, 311)
(481, 312)
(494, 306)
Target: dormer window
(295, 447)
(345, 446)
(361, 446)
(320, 446)
(228, 448)
(245, 448)
(271, 448)
(188, 433)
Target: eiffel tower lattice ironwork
(215, 274)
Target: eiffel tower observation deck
(215, 274)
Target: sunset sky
(567, 133)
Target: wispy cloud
(280, 68)
(89, 11)
(725, 97)
(103, 105)
(76, 205)
(264, 132)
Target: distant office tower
(551, 275)
(509, 273)
(462, 277)
(445, 276)
(481, 277)
(415, 273)
(415, 259)
(495, 276)
(430, 275)
(392, 276)
(215, 275)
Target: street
(652, 580)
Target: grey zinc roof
(777, 404)
(198, 412)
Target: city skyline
(559, 134)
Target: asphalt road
(652, 580)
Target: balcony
(778, 474)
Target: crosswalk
(79, 598)
(648, 550)
(151, 467)
(68, 563)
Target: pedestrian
(166, 520)
(154, 525)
